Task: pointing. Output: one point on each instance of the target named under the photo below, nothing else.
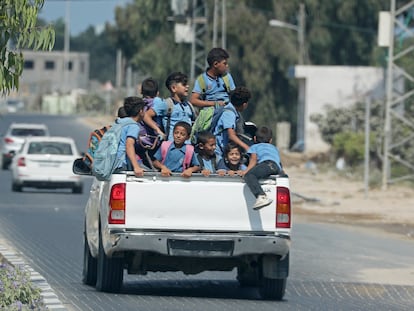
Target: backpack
(93, 142)
(105, 157)
(189, 151)
(147, 138)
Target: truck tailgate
(205, 203)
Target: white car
(14, 139)
(46, 162)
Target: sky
(83, 13)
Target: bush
(16, 290)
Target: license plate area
(199, 248)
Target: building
(338, 86)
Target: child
(217, 81)
(173, 159)
(206, 156)
(230, 122)
(232, 160)
(264, 161)
(134, 109)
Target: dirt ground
(328, 196)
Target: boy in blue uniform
(231, 122)
(217, 81)
(206, 156)
(175, 156)
(264, 161)
(134, 109)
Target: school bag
(189, 151)
(105, 158)
(94, 139)
(201, 79)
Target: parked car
(15, 105)
(46, 162)
(14, 139)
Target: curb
(48, 296)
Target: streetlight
(300, 29)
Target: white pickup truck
(158, 224)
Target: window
(82, 67)
(49, 65)
(28, 64)
(70, 66)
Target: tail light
(8, 140)
(117, 204)
(283, 208)
(21, 162)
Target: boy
(174, 158)
(217, 81)
(264, 161)
(230, 122)
(134, 109)
(179, 109)
(206, 156)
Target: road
(332, 267)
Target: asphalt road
(332, 267)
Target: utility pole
(66, 48)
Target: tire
(110, 272)
(77, 189)
(4, 165)
(16, 187)
(272, 289)
(90, 265)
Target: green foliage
(18, 30)
(351, 146)
(16, 290)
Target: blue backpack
(105, 159)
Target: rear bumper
(196, 244)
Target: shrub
(16, 290)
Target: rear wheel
(272, 289)
(110, 272)
(4, 164)
(248, 275)
(90, 265)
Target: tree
(18, 29)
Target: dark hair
(176, 77)
(133, 105)
(185, 125)
(204, 136)
(216, 55)
(239, 96)
(263, 134)
(121, 112)
(149, 87)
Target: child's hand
(206, 173)
(165, 172)
(138, 171)
(231, 173)
(241, 173)
(187, 173)
(221, 172)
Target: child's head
(134, 106)
(233, 154)
(149, 88)
(177, 83)
(264, 135)
(239, 97)
(121, 112)
(181, 132)
(217, 60)
(206, 143)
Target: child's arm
(233, 137)
(130, 152)
(165, 171)
(148, 120)
(195, 100)
(189, 171)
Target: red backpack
(189, 151)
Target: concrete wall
(339, 86)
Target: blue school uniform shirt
(265, 152)
(175, 157)
(181, 112)
(210, 164)
(227, 120)
(130, 130)
(215, 88)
